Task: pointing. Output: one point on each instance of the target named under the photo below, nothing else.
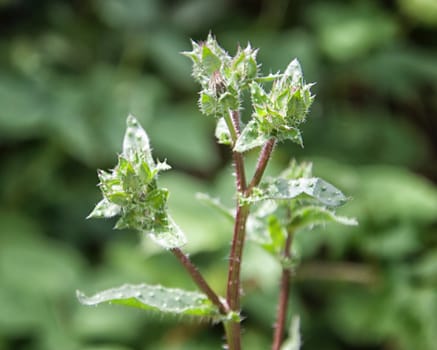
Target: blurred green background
(71, 71)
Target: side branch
(199, 280)
(263, 159)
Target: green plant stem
(199, 280)
(284, 292)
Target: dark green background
(71, 71)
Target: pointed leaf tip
(136, 141)
(104, 209)
(171, 237)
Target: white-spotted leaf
(104, 209)
(314, 187)
(171, 237)
(136, 141)
(155, 298)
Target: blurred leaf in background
(71, 72)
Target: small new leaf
(155, 298)
(131, 191)
(222, 132)
(136, 141)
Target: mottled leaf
(222, 132)
(171, 237)
(314, 187)
(155, 298)
(250, 138)
(136, 141)
(104, 209)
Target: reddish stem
(283, 297)
(233, 287)
(233, 290)
(263, 159)
(199, 280)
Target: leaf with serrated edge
(155, 298)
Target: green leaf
(293, 342)
(258, 95)
(105, 209)
(131, 191)
(277, 235)
(216, 204)
(136, 141)
(208, 103)
(155, 298)
(211, 63)
(258, 227)
(314, 215)
(222, 132)
(171, 236)
(250, 138)
(293, 72)
(314, 187)
(297, 170)
(289, 133)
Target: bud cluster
(130, 189)
(279, 112)
(276, 113)
(221, 76)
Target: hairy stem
(263, 159)
(284, 292)
(233, 290)
(199, 280)
(233, 329)
(233, 287)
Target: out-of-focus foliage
(70, 72)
